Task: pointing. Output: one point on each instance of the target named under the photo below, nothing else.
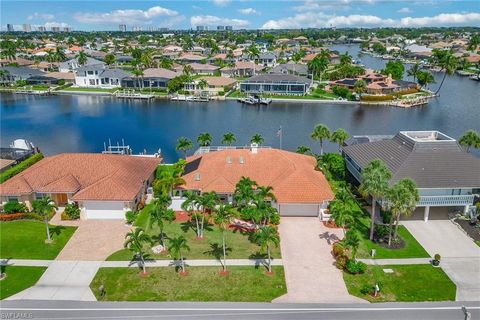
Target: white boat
(252, 100)
(22, 144)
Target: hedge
(7, 174)
(12, 216)
(377, 98)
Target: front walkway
(460, 256)
(310, 271)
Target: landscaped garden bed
(245, 283)
(405, 283)
(19, 278)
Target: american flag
(279, 132)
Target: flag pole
(281, 137)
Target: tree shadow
(55, 230)
(329, 237)
(188, 225)
(260, 259)
(216, 250)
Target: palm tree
(223, 217)
(229, 138)
(410, 197)
(360, 86)
(147, 59)
(184, 144)
(470, 139)
(447, 61)
(352, 241)
(138, 73)
(110, 59)
(339, 136)
(244, 191)
(257, 138)
(60, 54)
(267, 236)
(319, 64)
(204, 139)
(207, 202)
(168, 180)
(320, 133)
(190, 206)
(304, 150)
(413, 71)
(46, 206)
(166, 63)
(202, 84)
(187, 70)
(345, 59)
(134, 242)
(375, 177)
(340, 212)
(177, 246)
(424, 78)
(159, 215)
(82, 58)
(253, 51)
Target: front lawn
(406, 283)
(26, 240)
(18, 279)
(240, 247)
(201, 284)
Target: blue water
(83, 123)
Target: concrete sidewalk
(384, 262)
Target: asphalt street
(26, 309)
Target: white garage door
(298, 210)
(104, 210)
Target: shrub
(71, 212)
(130, 216)
(381, 231)
(12, 216)
(437, 257)
(36, 216)
(61, 82)
(7, 174)
(337, 249)
(341, 91)
(341, 261)
(221, 93)
(14, 207)
(367, 289)
(355, 267)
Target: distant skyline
(241, 14)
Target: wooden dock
(130, 94)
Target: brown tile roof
(160, 73)
(292, 175)
(219, 81)
(90, 176)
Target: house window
(92, 82)
(12, 198)
(90, 72)
(39, 195)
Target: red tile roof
(89, 176)
(292, 175)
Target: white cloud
(404, 10)
(126, 16)
(318, 19)
(206, 20)
(309, 5)
(43, 16)
(221, 3)
(249, 11)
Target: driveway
(63, 280)
(95, 240)
(310, 270)
(460, 255)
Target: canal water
(80, 123)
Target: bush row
(7, 174)
(386, 97)
(342, 261)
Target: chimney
(254, 148)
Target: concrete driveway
(460, 255)
(310, 272)
(95, 240)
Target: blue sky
(269, 14)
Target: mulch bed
(399, 244)
(471, 230)
(331, 224)
(181, 216)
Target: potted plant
(436, 260)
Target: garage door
(104, 210)
(298, 210)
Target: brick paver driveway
(95, 240)
(310, 272)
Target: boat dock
(254, 100)
(33, 92)
(200, 98)
(131, 94)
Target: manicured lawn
(90, 89)
(318, 95)
(18, 279)
(208, 248)
(201, 284)
(406, 283)
(26, 240)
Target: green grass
(317, 95)
(477, 242)
(18, 279)
(90, 89)
(26, 240)
(240, 247)
(16, 169)
(201, 284)
(407, 283)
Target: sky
(241, 14)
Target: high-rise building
(122, 27)
(136, 28)
(229, 28)
(200, 28)
(55, 29)
(152, 28)
(67, 29)
(220, 28)
(163, 29)
(26, 27)
(41, 29)
(10, 27)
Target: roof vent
(241, 160)
(197, 176)
(229, 159)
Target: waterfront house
(72, 65)
(291, 68)
(199, 68)
(446, 176)
(97, 76)
(104, 186)
(242, 69)
(215, 85)
(152, 78)
(300, 189)
(266, 59)
(288, 84)
(14, 74)
(16, 62)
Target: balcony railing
(458, 200)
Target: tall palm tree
(190, 206)
(158, 216)
(339, 136)
(202, 84)
(82, 58)
(253, 52)
(345, 59)
(177, 246)
(187, 70)
(184, 144)
(266, 237)
(410, 199)
(147, 59)
(470, 139)
(447, 61)
(244, 191)
(167, 181)
(352, 241)
(229, 138)
(424, 78)
(223, 217)
(340, 212)
(166, 63)
(207, 203)
(135, 241)
(257, 138)
(375, 178)
(60, 54)
(360, 86)
(413, 71)
(320, 132)
(204, 139)
(46, 206)
(138, 73)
